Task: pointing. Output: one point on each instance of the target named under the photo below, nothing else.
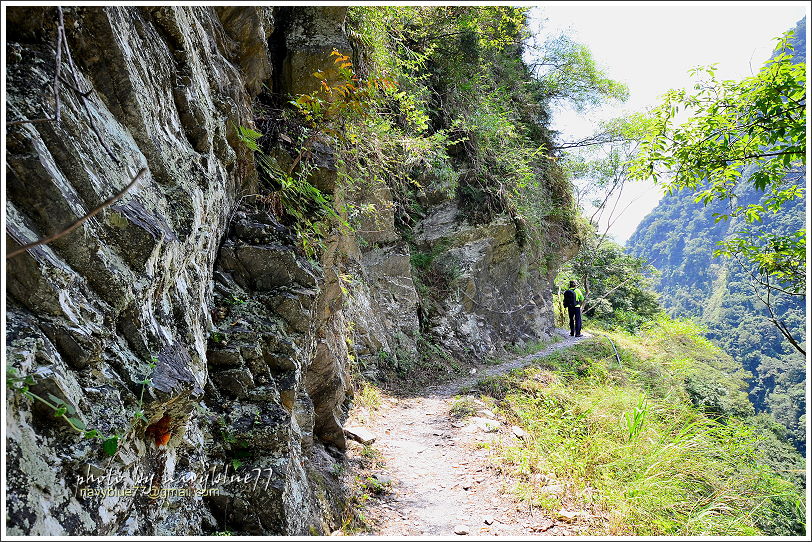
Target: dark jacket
(569, 298)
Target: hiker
(573, 298)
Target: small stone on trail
(483, 424)
(519, 432)
(360, 434)
(461, 529)
(485, 413)
(473, 371)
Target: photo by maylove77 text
(95, 482)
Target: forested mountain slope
(679, 238)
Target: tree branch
(589, 141)
(80, 221)
(774, 319)
(607, 294)
(762, 282)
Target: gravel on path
(443, 482)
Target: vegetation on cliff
(431, 104)
(440, 99)
(678, 238)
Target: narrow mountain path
(437, 472)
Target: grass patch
(363, 487)
(464, 406)
(630, 443)
(369, 396)
(373, 456)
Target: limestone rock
(383, 479)
(485, 425)
(486, 413)
(498, 295)
(174, 274)
(461, 529)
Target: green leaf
(248, 132)
(110, 446)
(79, 424)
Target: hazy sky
(651, 47)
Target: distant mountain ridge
(678, 237)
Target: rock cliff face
(246, 343)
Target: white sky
(651, 47)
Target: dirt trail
(440, 479)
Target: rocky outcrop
(261, 413)
(198, 352)
(496, 293)
(162, 89)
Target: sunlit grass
(369, 396)
(631, 447)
